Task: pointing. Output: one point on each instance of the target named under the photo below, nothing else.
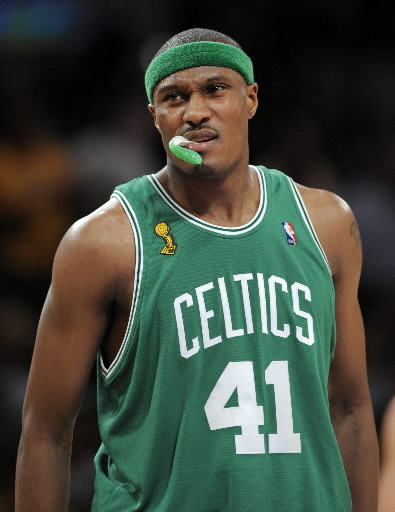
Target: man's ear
(252, 99)
(151, 108)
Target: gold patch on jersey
(162, 229)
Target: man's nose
(196, 110)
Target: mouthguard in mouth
(188, 155)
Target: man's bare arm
(75, 316)
(350, 401)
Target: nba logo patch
(290, 233)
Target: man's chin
(203, 171)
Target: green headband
(189, 55)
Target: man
(387, 468)
(207, 290)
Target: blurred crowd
(74, 123)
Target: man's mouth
(200, 140)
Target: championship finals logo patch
(162, 229)
(290, 233)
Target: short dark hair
(194, 35)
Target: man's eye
(216, 88)
(172, 96)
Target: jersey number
(248, 415)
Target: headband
(189, 55)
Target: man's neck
(229, 202)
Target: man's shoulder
(97, 237)
(106, 221)
(334, 223)
(323, 202)
(319, 202)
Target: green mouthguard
(192, 157)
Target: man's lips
(200, 146)
(200, 140)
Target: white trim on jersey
(239, 230)
(107, 372)
(306, 217)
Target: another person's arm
(85, 282)
(349, 395)
(387, 468)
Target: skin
(90, 296)
(387, 468)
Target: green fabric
(189, 55)
(231, 308)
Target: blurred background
(74, 123)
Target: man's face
(210, 106)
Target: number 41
(248, 415)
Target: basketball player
(220, 300)
(387, 469)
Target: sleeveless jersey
(217, 400)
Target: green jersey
(217, 400)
